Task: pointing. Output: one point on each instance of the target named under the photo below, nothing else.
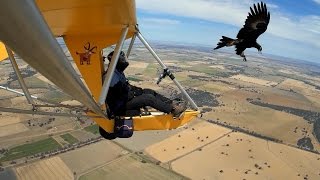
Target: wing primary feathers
(255, 8)
(252, 12)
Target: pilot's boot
(178, 109)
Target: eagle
(256, 23)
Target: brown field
(185, 141)
(240, 156)
(130, 167)
(53, 168)
(20, 102)
(12, 129)
(7, 120)
(217, 87)
(71, 103)
(254, 80)
(307, 90)
(142, 139)
(288, 99)
(240, 113)
(7, 94)
(88, 157)
(218, 67)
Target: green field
(31, 82)
(55, 96)
(151, 70)
(69, 138)
(135, 79)
(94, 129)
(31, 149)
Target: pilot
(123, 96)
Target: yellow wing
(3, 52)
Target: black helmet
(122, 61)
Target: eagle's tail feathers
(225, 41)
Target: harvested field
(277, 124)
(88, 157)
(142, 139)
(12, 129)
(138, 64)
(240, 156)
(254, 80)
(130, 167)
(308, 91)
(218, 67)
(71, 103)
(7, 120)
(53, 168)
(186, 141)
(216, 87)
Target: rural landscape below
(260, 119)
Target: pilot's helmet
(122, 61)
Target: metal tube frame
(112, 66)
(146, 44)
(24, 88)
(131, 45)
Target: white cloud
(317, 1)
(158, 21)
(299, 28)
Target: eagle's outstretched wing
(256, 23)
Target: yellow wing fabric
(102, 18)
(3, 52)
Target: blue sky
(294, 29)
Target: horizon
(231, 51)
(294, 26)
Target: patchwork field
(239, 156)
(185, 141)
(254, 80)
(12, 129)
(280, 125)
(97, 154)
(130, 167)
(53, 169)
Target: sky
(293, 31)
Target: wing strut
(112, 66)
(20, 79)
(165, 68)
(25, 31)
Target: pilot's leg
(157, 95)
(149, 100)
